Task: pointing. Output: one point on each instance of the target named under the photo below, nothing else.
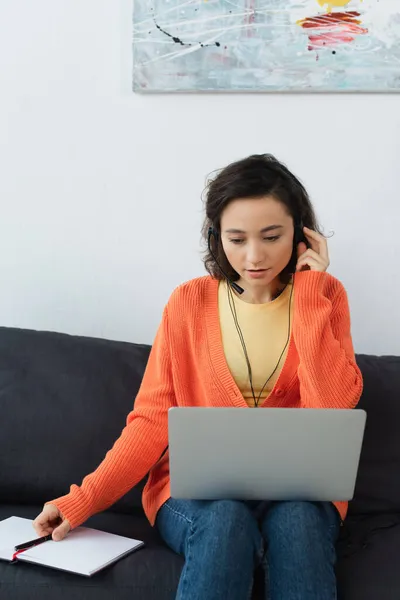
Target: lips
(257, 273)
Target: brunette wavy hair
(256, 176)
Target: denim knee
(299, 518)
(230, 516)
(231, 524)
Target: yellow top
(265, 329)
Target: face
(257, 237)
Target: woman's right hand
(51, 521)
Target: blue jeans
(224, 541)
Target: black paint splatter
(177, 40)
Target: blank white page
(84, 551)
(14, 531)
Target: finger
(313, 234)
(312, 240)
(312, 263)
(312, 254)
(47, 520)
(61, 531)
(318, 242)
(41, 530)
(42, 525)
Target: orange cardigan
(187, 367)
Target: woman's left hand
(315, 258)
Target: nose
(255, 254)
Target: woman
(269, 328)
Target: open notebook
(84, 551)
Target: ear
(301, 248)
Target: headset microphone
(236, 287)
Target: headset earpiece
(213, 232)
(299, 235)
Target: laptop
(264, 453)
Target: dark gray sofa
(63, 402)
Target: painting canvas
(266, 45)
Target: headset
(297, 238)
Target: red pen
(26, 545)
(32, 543)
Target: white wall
(100, 189)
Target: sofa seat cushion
(151, 573)
(369, 554)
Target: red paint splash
(249, 17)
(332, 29)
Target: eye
(236, 241)
(272, 239)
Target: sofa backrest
(63, 402)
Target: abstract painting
(266, 45)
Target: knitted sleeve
(328, 374)
(140, 445)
